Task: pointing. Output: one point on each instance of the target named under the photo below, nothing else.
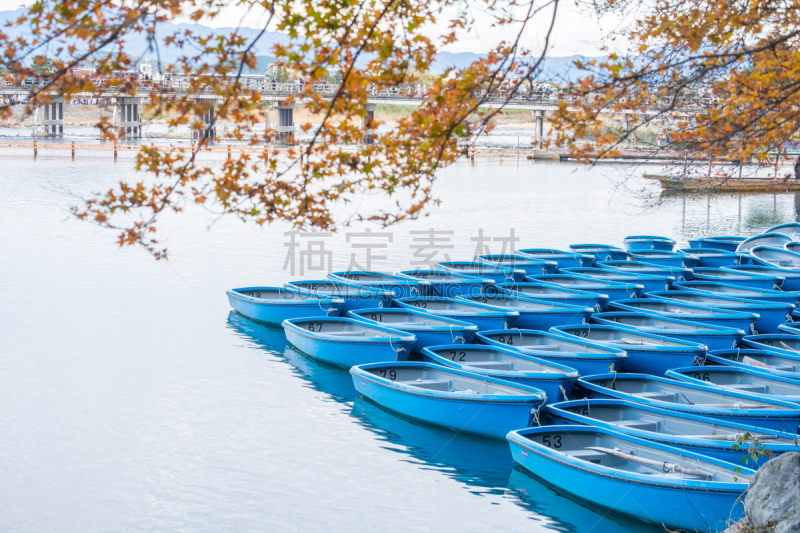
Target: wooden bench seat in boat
(432, 384)
(758, 389)
(660, 396)
(587, 455)
(493, 365)
(638, 424)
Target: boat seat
(638, 424)
(590, 456)
(545, 347)
(662, 396)
(492, 365)
(432, 384)
(346, 333)
(748, 388)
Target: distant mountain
(556, 69)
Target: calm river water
(131, 399)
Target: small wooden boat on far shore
(678, 184)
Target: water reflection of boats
(270, 337)
(331, 380)
(569, 515)
(470, 459)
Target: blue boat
(749, 380)
(450, 285)
(793, 247)
(784, 343)
(585, 357)
(775, 363)
(645, 479)
(685, 311)
(711, 258)
(740, 279)
(635, 243)
(649, 282)
(537, 314)
(447, 397)
(727, 243)
(483, 316)
(710, 288)
(791, 278)
(791, 229)
(775, 240)
(555, 380)
(430, 330)
(402, 287)
(601, 252)
(347, 342)
(564, 259)
(775, 257)
(714, 337)
(647, 353)
(614, 291)
(714, 402)
(482, 270)
(638, 267)
(273, 305)
(519, 262)
(792, 328)
(670, 259)
(354, 296)
(698, 434)
(770, 314)
(550, 293)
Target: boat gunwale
(457, 326)
(402, 336)
(610, 353)
(689, 345)
(536, 395)
(702, 408)
(708, 329)
(567, 372)
(271, 301)
(495, 312)
(556, 408)
(519, 437)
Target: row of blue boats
(650, 381)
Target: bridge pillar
(126, 116)
(366, 122)
(628, 130)
(209, 131)
(49, 118)
(539, 115)
(286, 121)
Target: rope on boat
(535, 413)
(698, 361)
(564, 392)
(328, 310)
(396, 350)
(665, 466)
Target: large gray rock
(774, 494)
(787, 526)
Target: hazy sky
(575, 32)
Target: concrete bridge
(126, 117)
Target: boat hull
(348, 353)
(276, 311)
(487, 418)
(692, 508)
